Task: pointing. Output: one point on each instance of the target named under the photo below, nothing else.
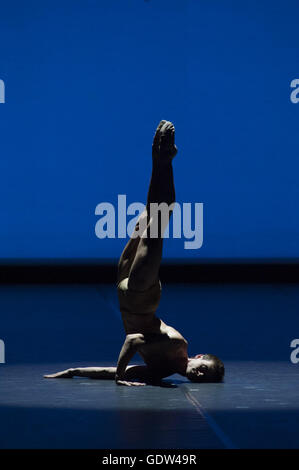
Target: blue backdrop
(86, 83)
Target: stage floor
(49, 328)
(256, 407)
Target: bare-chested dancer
(163, 349)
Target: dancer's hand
(163, 147)
(129, 384)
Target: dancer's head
(205, 368)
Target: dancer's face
(198, 368)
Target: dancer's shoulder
(172, 333)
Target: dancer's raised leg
(145, 266)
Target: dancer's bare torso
(164, 353)
(163, 349)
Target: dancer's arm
(130, 347)
(101, 373)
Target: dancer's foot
(164, 148)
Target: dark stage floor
(49, 328)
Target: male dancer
(163, 349)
